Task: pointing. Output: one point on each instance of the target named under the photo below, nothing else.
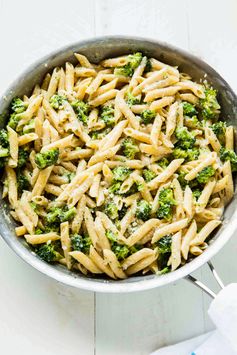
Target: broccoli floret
(30, 127)
(48, 253)
(81, 243)
(163, 163)
(164, 271)
(185, 138)
(4, 147)
(82, 110)
(115, 187)
(48, 158)
(143, 210)
(164, 244)
(188, 155)
(120, 250)
(4, 142)
(23, 156)
(166, 203)
(229, 154)
(100, 134)
(209, 105)
(132, 63)
(189, 109)
(148, 175)
(107, 115)
(135, 59)
(129, 148)
(120, 173)
(38, 231)
(204, 176)
(4, 152)
(197, 193)
(111, 210)
(131, 100)
(181, 178)
(13, 121)
(148, 116)
(22, 182)
(219, 129)
(18, 106)
(57, 215)
(56, 101)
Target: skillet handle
(201, 285)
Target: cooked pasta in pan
(118, 168)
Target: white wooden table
(39, 316)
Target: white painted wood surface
(39, 316)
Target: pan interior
(97, 50)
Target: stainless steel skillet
(96, 50)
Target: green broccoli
(185, 138)
(188, 155)
(120, 250)
(100, 134)
(148, 175)
(148, 116)
(229, 154)
(120, 173)
(14, 120)
(4, 142)
(129, 148)
(209, 106)
(111, 210)
(48, 253)
(4, 147)
(164, 244)
(131, 100)
(38, 231)
(181, 178)
(18, 106)
(56, 101)
(81, 243)
(143, 210)
(23, 156)
(204, 176)
(48, 158)
(4, 152)
(132, 63)
(115, 187)
(219, 128)
(22, 182)
(30, 127)
(164, 271)
(107, 115)
(163, 163)
(197, 193)
(166, 203)
(189, 109)
(57, 215)
(82, 110)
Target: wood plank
(44, 316)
